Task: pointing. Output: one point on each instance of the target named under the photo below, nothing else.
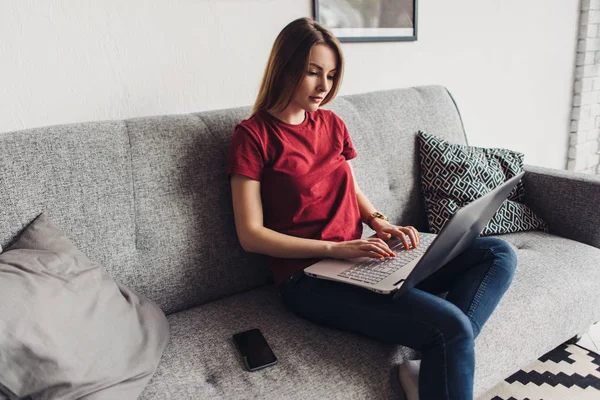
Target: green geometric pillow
(453, 175)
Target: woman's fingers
(384, 235)
(403, 239)
(414, 235)
(379, 247)
(402, 232)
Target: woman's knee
(454, 327)
(505, 256)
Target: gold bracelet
(376, 214)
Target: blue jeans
(442, 330)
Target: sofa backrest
(148, 197)
(383, 127)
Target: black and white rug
(569, 372)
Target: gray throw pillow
(67, 330)
(453, 175)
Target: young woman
(295, 199)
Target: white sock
(409, 378)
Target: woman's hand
(370, 247)
(385, 231)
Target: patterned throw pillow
(453, 175)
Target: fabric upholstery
(80, 176)
(147, 198)
(382, 126)
(202, 361)
(454, 175)
(185, 233)
(67, 330)
(567, 201)
(317, 363)
(553, 296)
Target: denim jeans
(442, 330)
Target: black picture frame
(348, 24)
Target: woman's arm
(382, 228)
(256, 238)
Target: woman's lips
(315, 99)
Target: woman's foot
(409, 378)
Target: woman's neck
(290, 116)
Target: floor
(591, 340)
(565, 373)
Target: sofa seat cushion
(202, 362)
(556, 288)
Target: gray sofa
(148, 199)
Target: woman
(295, 199)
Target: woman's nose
(323, 84)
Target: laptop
(399, 274)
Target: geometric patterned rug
(569, 372)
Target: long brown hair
(288, 63)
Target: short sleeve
(348, 150)
(245, 156)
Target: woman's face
(317, 80)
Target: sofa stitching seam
(13, 205)
(133, 191)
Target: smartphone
(254, 349)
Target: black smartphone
(254, 349)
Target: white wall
(509, 64)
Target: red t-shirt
(307, 188)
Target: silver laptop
(409, 267)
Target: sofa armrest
(568, 201)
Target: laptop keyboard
(374, 270)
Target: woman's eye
(330, 77)
(312, 73)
